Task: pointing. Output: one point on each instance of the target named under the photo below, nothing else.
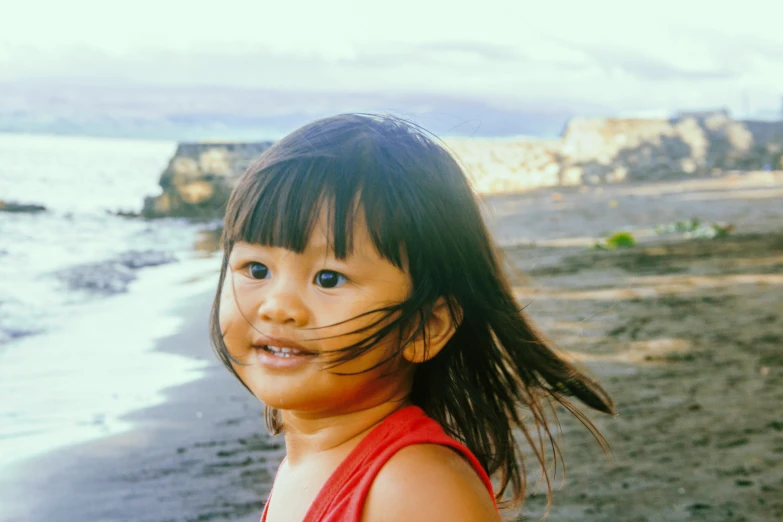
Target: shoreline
(137, 474)
(670, 327)
(75, 381)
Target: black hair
(423, 217)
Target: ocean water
(85, 293)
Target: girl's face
(280, 313)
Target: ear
(438, 330)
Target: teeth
(283, 351)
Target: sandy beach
(685, 333)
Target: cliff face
(200, 176)
(496, 166)
(606, 150)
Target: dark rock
(8, 334)
(140, 259)
(112, 276)
(124, 213)
(106, 278)
(7, 206)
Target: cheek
(355, 328)
(227, 307)
(345, 325)
(382, 357)
(231, 323)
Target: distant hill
(198, 113)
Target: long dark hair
(423, 217)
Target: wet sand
(686, 334)
(202, 455)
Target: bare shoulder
(426, 482)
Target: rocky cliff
(606, 150)
(199, 178)
(591, 151)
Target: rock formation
(200, 176)
(608, 150)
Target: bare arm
(428, 482)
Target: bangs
(280, 205)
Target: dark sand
(202, 455)
(686, 334)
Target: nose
(283, 306)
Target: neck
(307, 436)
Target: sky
(602, 57)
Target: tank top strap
(344, 493)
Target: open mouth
(280, 351)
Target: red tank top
(342, 496)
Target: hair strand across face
(422, 217)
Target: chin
(283, 398)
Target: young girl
(362, 301)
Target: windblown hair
(496, 377)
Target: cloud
(215, 112)
(649, 68)
(639, 62)
(437, 54)
(603, 61)
(483, 50)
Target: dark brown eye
(258, 271)
(329, 279)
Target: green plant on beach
(690, 228)
(679, 227)
(617, 240)
(695, 228)
(721, 229)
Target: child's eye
(329, 279)
(258, 270)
